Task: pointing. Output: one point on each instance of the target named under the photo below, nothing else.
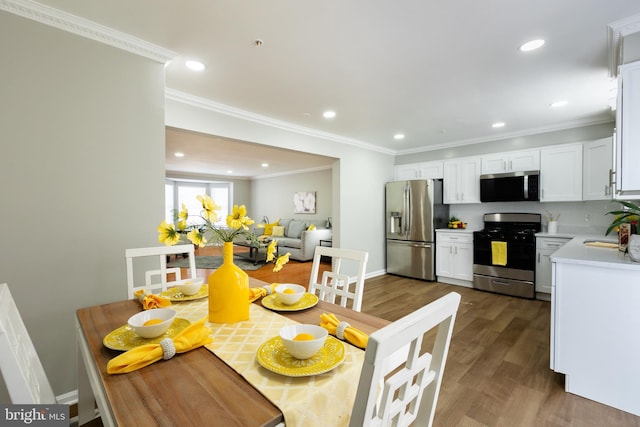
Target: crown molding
(85, 28)
(616, 32)
(237, 113)
(518, 134)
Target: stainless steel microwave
(510, 187)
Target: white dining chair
(155, 280)
(333, 284)
(399, 383)
(21, 368)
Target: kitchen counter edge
(576, 252)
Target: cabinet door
(561, 173)
(464, 261)
(545, 247)
(528, 160)
(469, 180)
(450, 184)
(403, 172)
(444, 259)
(627, 182)
(431, 170)
(597, 165)
(494, 163)
(543, 270)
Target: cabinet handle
(455, 250)
(612, 181)
(538, 257)
(504, 165)
(510, 164)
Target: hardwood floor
(497, 371)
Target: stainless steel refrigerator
(414, 210)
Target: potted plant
(627, 218)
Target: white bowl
(188, 286)
(303, 349)
(289, 298)
(136, 322)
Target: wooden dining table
(193, 389)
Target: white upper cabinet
(511, 161)
(561, 173)
(597, 166)
(627, 150)
(424, 170)
(462, 180)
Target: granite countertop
(576, 252)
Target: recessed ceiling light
(498, 125)
(265, 165)
(329, 114)
(531, 45)
(229, 171)
(398, 136)
(194, 65)
(178, 154)
(561, 103)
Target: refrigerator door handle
(407, 209)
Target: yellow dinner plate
(176, 296)
(124, 338)
(307, 301)
(273, 356)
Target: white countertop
(456, 230)
(575, 252)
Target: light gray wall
(82, 177)
(358, 181)
(273, 196)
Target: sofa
(298, 237)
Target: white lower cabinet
(545, 247)
(454, 257)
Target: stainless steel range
(504, 254)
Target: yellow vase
(228, 291)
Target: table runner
(322, 400)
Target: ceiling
(441, 73)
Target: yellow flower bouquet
(237, 225)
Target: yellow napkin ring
(269, 290)
(168, 348)
(340, 330)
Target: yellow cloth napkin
(150, 301)
(194, 336)
(351, 335)
(263, 291)
(499, 253)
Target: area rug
(213, 262)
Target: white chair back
(22, 371)
(334, 283)
(400, 383)
(156, 280)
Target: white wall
(358, 176)
(81, 177)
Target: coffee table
(255, 253)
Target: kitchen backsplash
(588, 217)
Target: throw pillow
(268, 228)
(278, 231)
(311, 227)
(295, 229)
